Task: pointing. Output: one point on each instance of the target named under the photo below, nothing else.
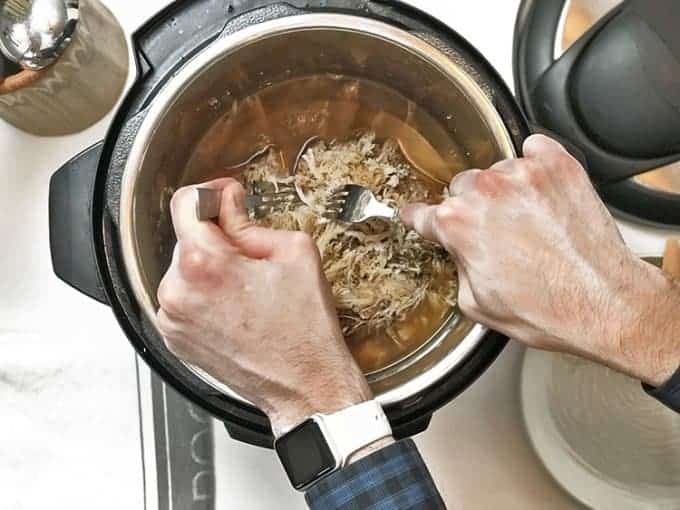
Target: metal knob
(34, 33)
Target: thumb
(261, 243)
(233, 214)
(250, 239)
(423, 219)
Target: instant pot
(110, 232)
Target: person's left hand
(252, 307)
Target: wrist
(286, 414)
(647, 342)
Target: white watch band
(351, 429)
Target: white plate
(599, 435)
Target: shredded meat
(379, 271)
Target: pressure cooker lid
(605, 76)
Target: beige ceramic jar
(79, 88)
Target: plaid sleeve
(669, 393)
(394, 478)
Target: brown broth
(375, 351)
(335, 107)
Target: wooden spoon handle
(18, 81)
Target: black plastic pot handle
(71, 223)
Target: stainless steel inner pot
(255, 57)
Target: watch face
(305, 454)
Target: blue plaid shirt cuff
(394, 478)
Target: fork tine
(262, 202)
(266, 188)
(265, 208)
(331, 215)
(337, 203)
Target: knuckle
(169, 300)
(505, 165)
(449, 212)
(463, 181)
(194, 262)
(491, 182)
(527, 173)
(552, 155)
(233, 187)
(508, 166)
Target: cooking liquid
(336, 107)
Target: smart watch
(669, 393)
(323, 443)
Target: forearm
(645, 341)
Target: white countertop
(69, 433)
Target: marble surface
(69, 434)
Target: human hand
(541, 259)
(252, 307)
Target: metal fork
(356, 204)
(261, 203)
(208, 201)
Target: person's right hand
(541, 260)
(252, 307)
